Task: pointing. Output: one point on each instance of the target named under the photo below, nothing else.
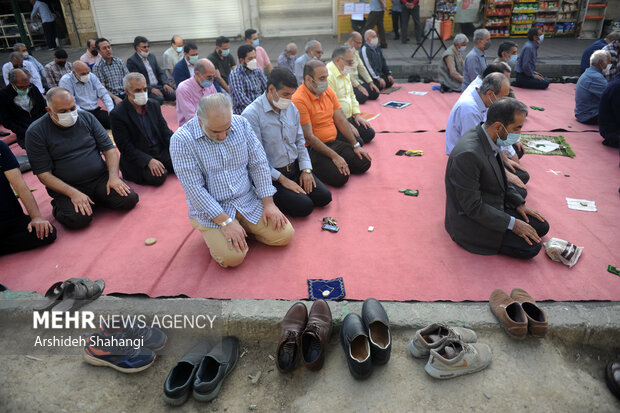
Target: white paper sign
(413, 92)
(349, 8)
(543, 145)
(360, 8)
(581, 204)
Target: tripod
(432, 33)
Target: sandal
(53, 294)
(79, 292)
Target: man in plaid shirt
(110, 70)
(55, 69)
(246, 81)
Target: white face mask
(281, 103)
(346, 70)
(140, 98)
(85, 78)
(374, 41)
(25, 55)
(144, 54)
(67, 119)
(252, 64)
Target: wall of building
(79, 14)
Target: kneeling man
(484, 214)
(225, 175)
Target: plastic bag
(563, 251)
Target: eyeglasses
(319, 52)
(349, 62)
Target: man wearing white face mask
(276, 124)
(143, 61)
(86, 89)
(225, 175)
(590, 88)
(246, 81)
(64, 148)
(340, 81)
(190, 91)
(484, 214)
(375, 62)
(141, 134)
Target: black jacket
(135, 64)
(14, 117)
(129, 136)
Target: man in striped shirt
(225, 174)
(246, 81)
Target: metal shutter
(122, 20)
(295, 18)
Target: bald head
(355, 40)
(205, 67)
(59, 97)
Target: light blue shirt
(280, 134)
(495, 149)
(299, 67)
(86, 94)
(468, 112)
(474, 65)
(38, 65)
(232, 176)
(43, 11)
(375, 5)
(590, 88)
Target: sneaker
(117, 352)
(435, 335)
(152, 337)
(457, 358)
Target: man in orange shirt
(334, 152)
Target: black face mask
(94, 52)
(61, 63)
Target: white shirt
(149, 70)
(35, 77)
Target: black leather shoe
(612, 377)
(179, 381)
(214, 368)
(378, 326)
(356, 346)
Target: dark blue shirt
(526, 62)
(585, 57)
(609, 109)
(9, 205)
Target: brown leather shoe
(316, 335)
(292, 325)
(509, 314)
(537, 322)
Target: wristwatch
(307, 170)
(357, 145)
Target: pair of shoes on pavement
(202, 371)
(305, 334)
(451, 351)
(518, 313)
(366, 340)
(128, 350)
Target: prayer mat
(563, 150)
(390, 90)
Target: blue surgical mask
(225, 52)
(513, 59)
(510, 139)
(206, 83)
(179, 49)
(255, 42)
(462, 49)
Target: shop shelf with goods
(547, 15)
(529, 7)
(591, 18)
(497, 17)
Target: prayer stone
(150, 241)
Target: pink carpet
(409, 256)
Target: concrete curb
(587, 323)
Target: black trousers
(102, 116)
(375, 18)
(515, 246)
(143, 176)
(388, 82)
(611, 139)
(591, 121)
(526, 82)
(326, 170)
(64, 211)
(49, 29)
(14, 236)
(167, 97)
(361, 98)
(300, 205)
(366, 134)
(519, 152)
(414, 13)
(396, 23)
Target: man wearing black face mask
(57, 68)
(91, 56)
(484, 214)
